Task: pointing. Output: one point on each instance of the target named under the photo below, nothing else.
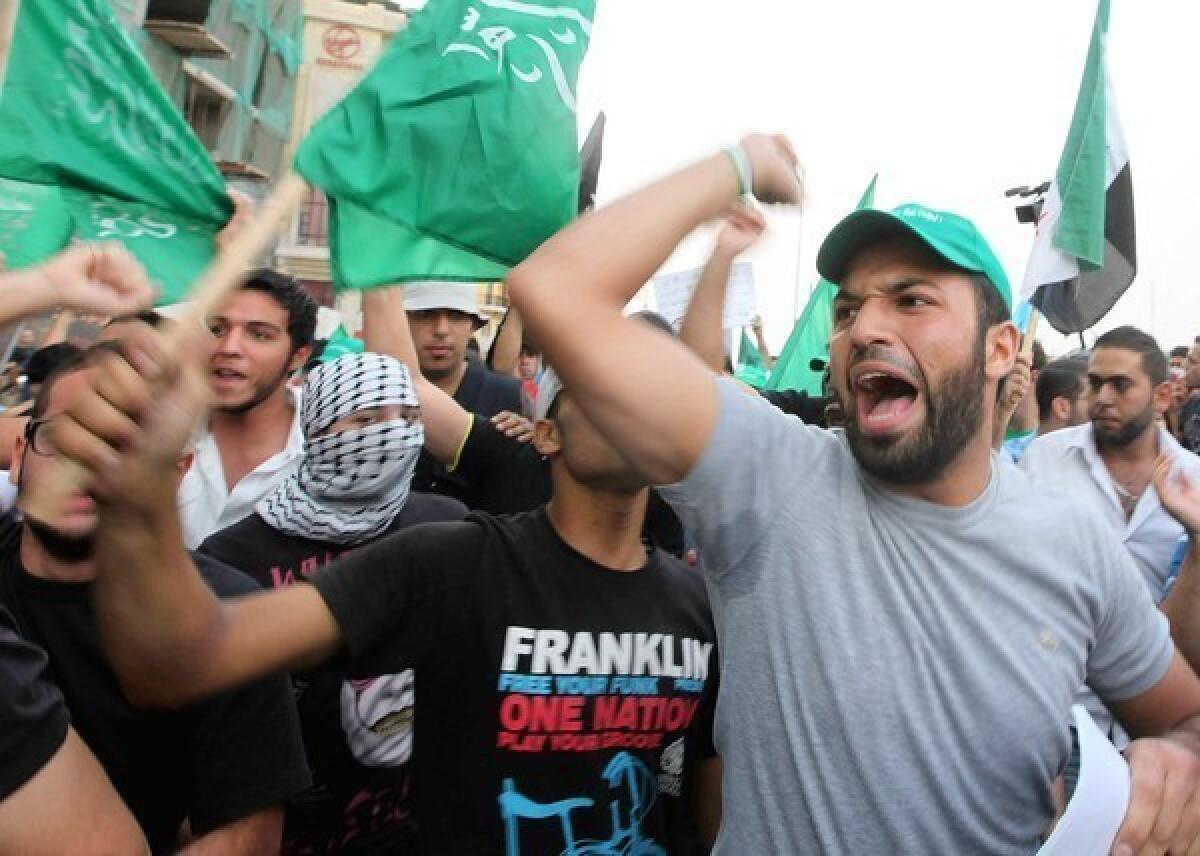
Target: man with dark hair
(1108, 463)
(1178, 356)
(253, 439)
(227, 765)
(1189, 417)
(443, 318)
(1062, 394)
(904, 619)
(564, 671)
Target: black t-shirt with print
(501, 475)
(33, 718)
(558, 701)
(353, 806)
(212, 763)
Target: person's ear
(1000, 355)
(1060, 406)
(546, 438)
(299, 358)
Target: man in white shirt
(1109, 461)
(253, 439)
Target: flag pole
(227, 272)
(1030, 332)
(8, 26)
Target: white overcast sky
(951, 101)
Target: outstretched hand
(128, 428)
(104, 279)
(1178, 494)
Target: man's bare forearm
(506, 348)
(702, 329)
(258, 834)
(158, 618)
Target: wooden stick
(1030, 332)
(223, 277)
(8, 26)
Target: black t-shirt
(484, 393)
(359, 802)
(810, 409)
(213, 762)
(33, 718)
(1189, 424)
(558, 700)
(501, 475)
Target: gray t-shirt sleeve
(756, 459)
(1133, 647)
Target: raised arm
(100, 278)
(506, 348)
(386, 331)
(703, 328)
(169, 638)
(650, 396)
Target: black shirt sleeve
(399, 589)
(33, 716)
(504, 475)
(810, 409)
(248, 754)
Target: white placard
(673, 293)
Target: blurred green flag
(462, 137)
(85, 119)
(751, 368)
(810, 337)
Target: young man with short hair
(904, 620)
(252, 439)
(563, 669)
(443, 318)
(1062, 394)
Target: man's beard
(954, 412)
(61, 547)
(261, 393)
(1126, 433)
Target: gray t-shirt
(896, 675)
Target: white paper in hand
(673, 293)
(1090, 823)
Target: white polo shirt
(1068, 460)
(206, 505)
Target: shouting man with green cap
(904, 620)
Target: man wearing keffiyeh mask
(362, 435)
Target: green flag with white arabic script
(82, 113)
(463, 135)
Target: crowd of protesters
(590, 594)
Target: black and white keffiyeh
(350, 485)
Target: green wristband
(741, 165)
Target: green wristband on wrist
(741, 165)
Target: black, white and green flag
(1085, 257)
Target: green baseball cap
(953, 238)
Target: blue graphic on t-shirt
(626, 839)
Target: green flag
(463, 136)
(1085, 254)
(340, 344)
(83, 114)
(810, 337)
(751, 368)
(34, 222)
